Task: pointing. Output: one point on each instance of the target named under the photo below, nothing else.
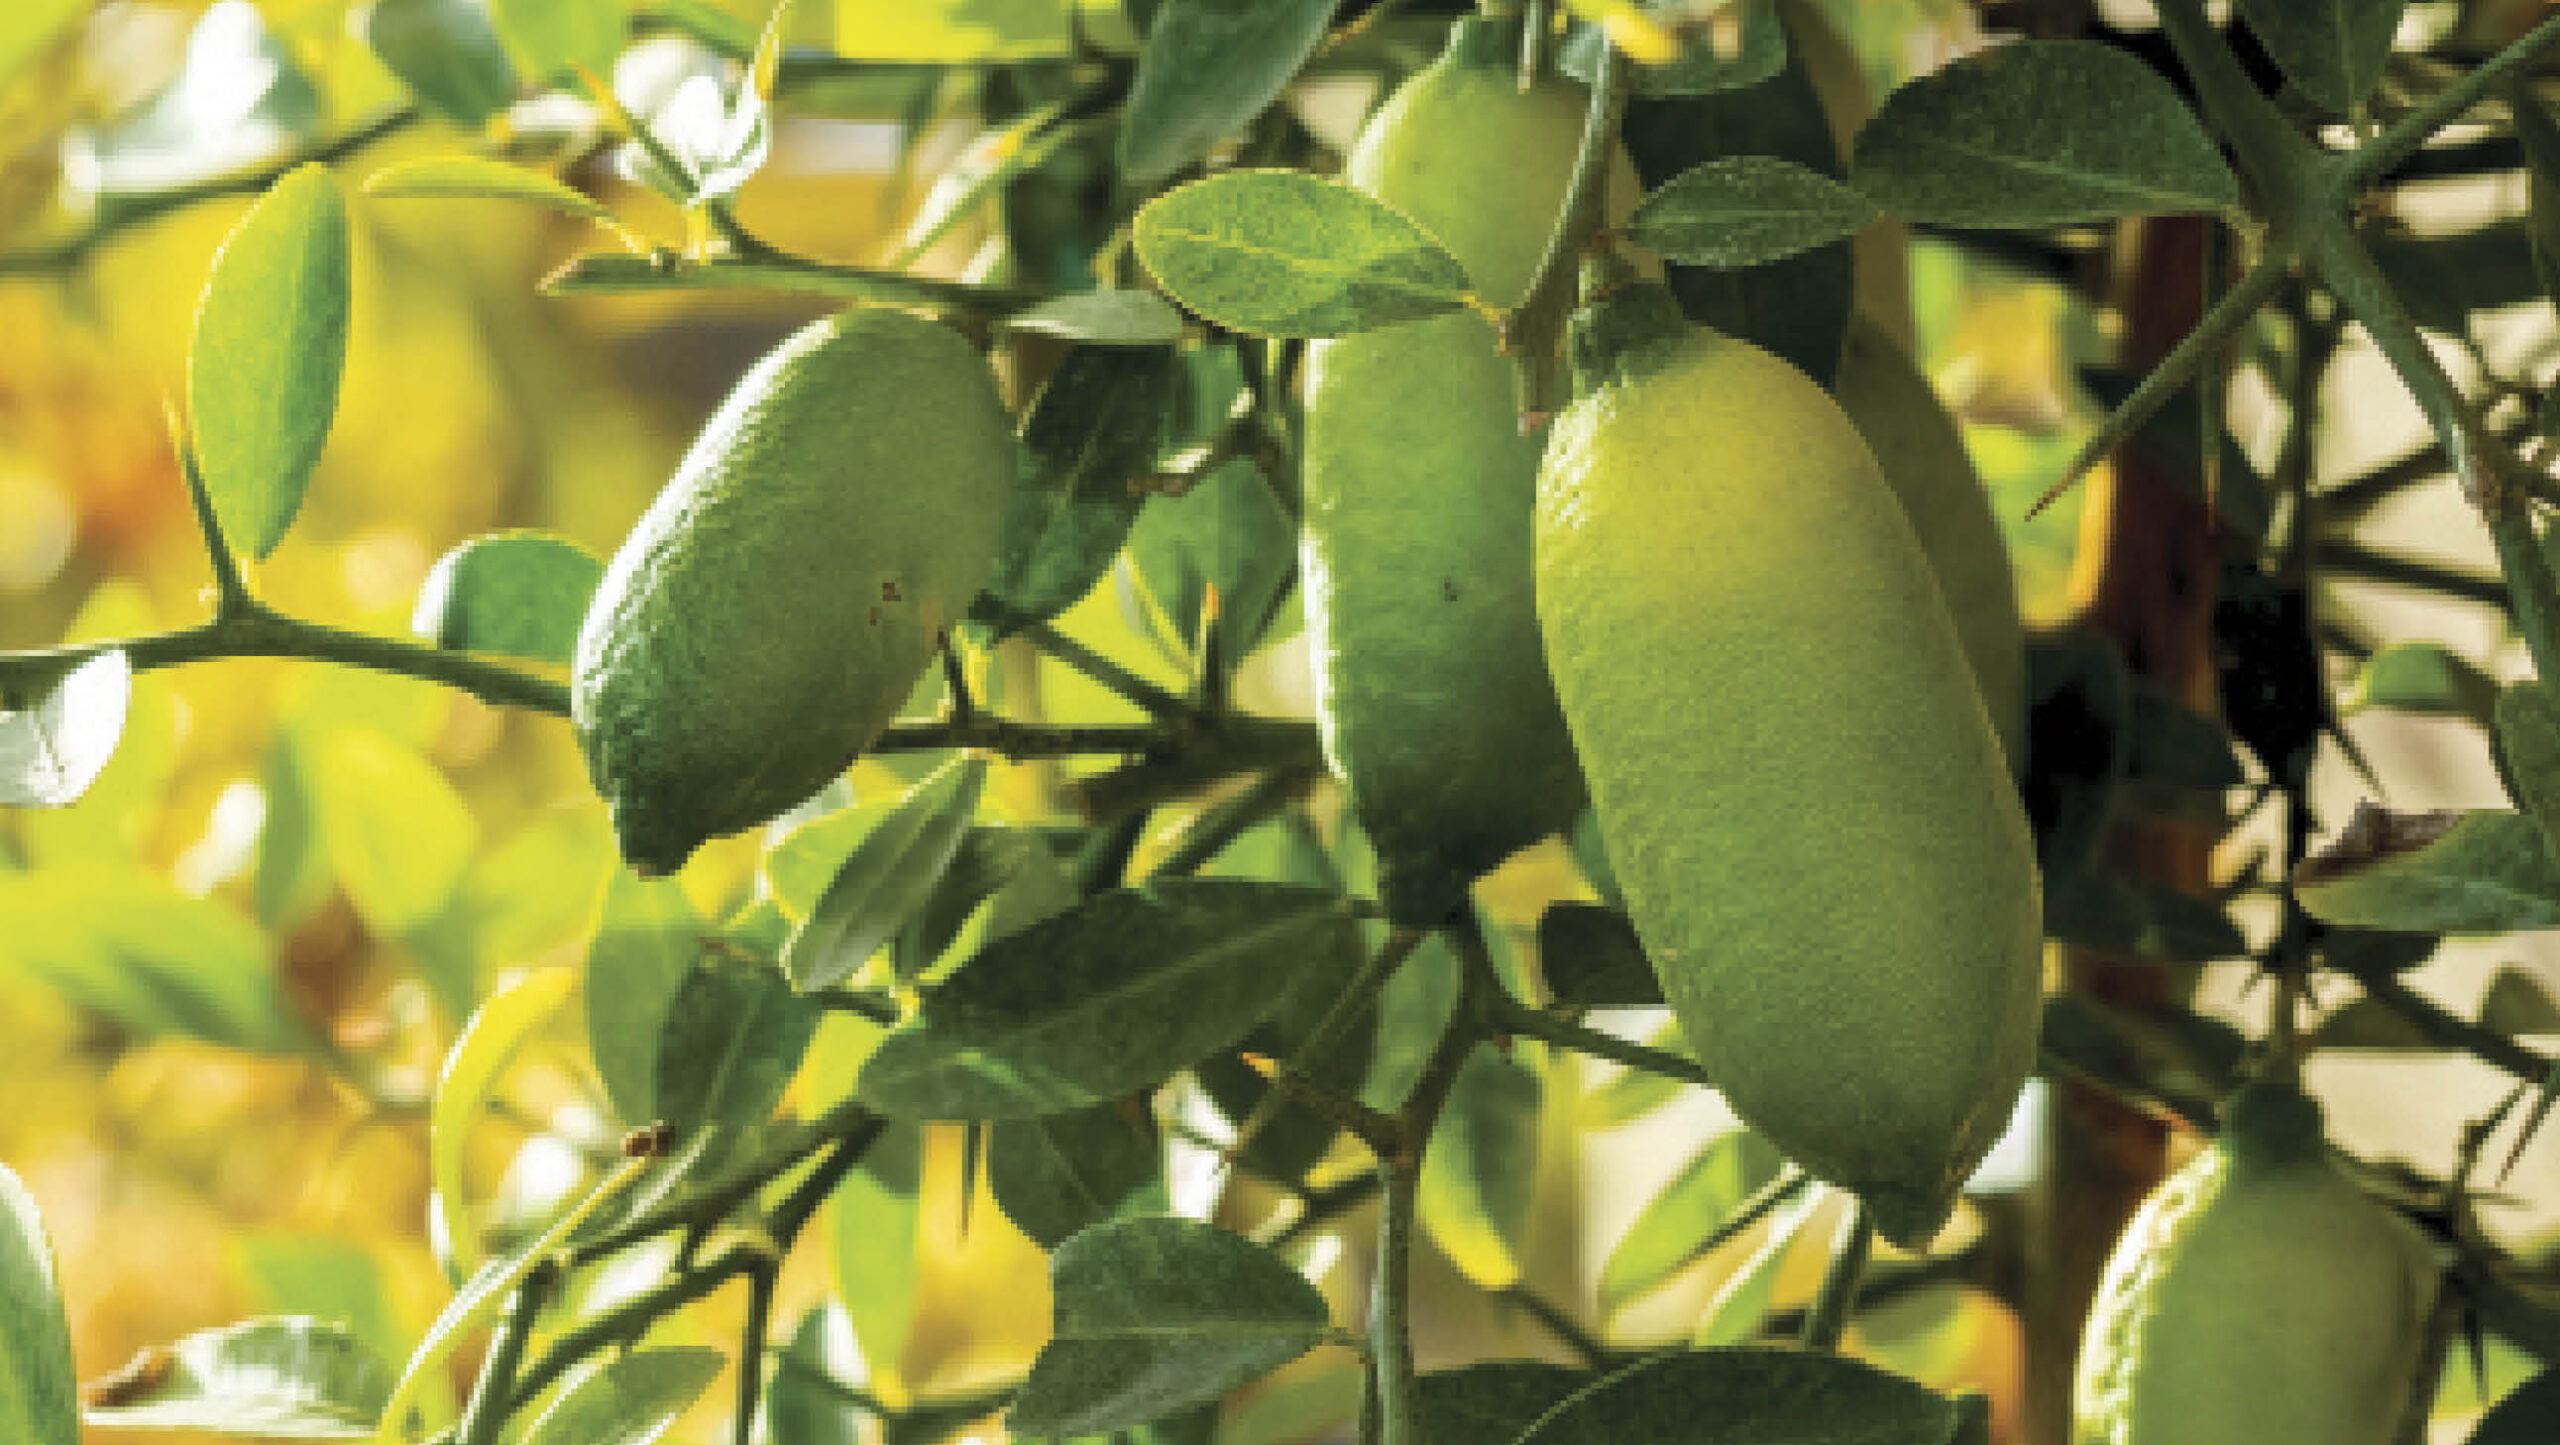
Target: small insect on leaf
(649, 1141)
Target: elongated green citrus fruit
(1800, 792)
(1923, 456)
(1431, 693)
(2258, 1298)
(779, 600)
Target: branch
(615, 273)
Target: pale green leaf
(446, 52)
(1746, 211)
(885, 878)
(632, 1400)
(1102, 318)
(506, 1020)
(1208, 67)
(1742, 1301)
(42, 1402)
(518, 594)
(645, 944)
(275, 1379)
(1286, 254)
(1473, 1199)
(1686, 1213)
(550, 40)
(399, 836)
(482, 179)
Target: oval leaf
(479, 178)
(1753, 1397)
(520, 594)
(42, 1405)
(1156, 1316)
(1591, 958)
(399, 835)
(1059, 1175)
(1686, 1213)
(886, 878)
(270, 342)
(1096, 428)
(2485, 872)
(1285, 254)
(2332, 50)
(733, 1038)
(284, 1379)
(1102, 318)
(487, 1044)
(1107, 998)
(50, 753)
(1493, 1401)
(645, 945)
(1746, 211)
(2424, 677)
(1474, 1196)
(631, 1401)
(447, 53)
(2528, 722)
(2040, 133)
(1208, 67)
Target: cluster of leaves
(1089, 1004)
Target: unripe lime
(2257, 1297)
(782, 596)
(1924, 457)
(1430, 690)
(1801, 794)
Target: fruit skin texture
(1923, 456)
(1801, 794)
(777, 603)
(2258, 1297)
(1431, 691)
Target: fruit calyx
(1623, 319)
(2272, 1122)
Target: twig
(1517, 1017)
(1568, 1331)
(1832, 1305)
(751, 1347)
(2454, 1032)
(2405, 136)
(486, 1414)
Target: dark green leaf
(1746, 211)
(2424, 677)
(447, 53)
(1059, 1175)
(1095, 431)
(2528, 722)
(1227, 533)
(1102, 318)
(1110, 997)
(631, 1401)
(53, 747)
(1591, 855)
(2180, 747)
(1473, 1199)
(2079, 743)
(2374, 952)
(1208, 67)
(292, 1379)
(2483, 872)
(886, 878)
(1286, 254)
(1492, 1402)
(1592, 958)
(1008, 877)
(1749, 1397)
(810, 1401)
(270, 342)
(478, 178)
(519, 594)
(734, 1036)
(644, 948)
(2524, 1417)
(1739, 47)
(42, 1404)
(2332, 50)
(2517, 1004)
(2540, 137)
(2040, 133)
(2366, 1024)
(1156, 1316)
(551, 40)
(2138, 918)
(1693, 1206)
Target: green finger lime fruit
(1430, 690)
(1923, 456)
(1801, 794)
(2258, 1298)
(782, 596)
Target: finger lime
(782, 596)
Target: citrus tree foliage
(941, 680)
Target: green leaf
(505, 1022)
(2483, 872)
(333, 1279)
(1473, 1199)
(1102, 318)
(1686, 1212)
(479, 178)
(128, 944)
(1750, 1397)
(1227, 533)
(2332, 50)
(734, 1036)
(951, 32)
(1105, 999)
(807, 1404)
(289, 1379)
(1156, 1316)
(1742, 1302)
(2540, 137)
(52, 749)
(1093, 434)
(1001, 881)
(550, 40)
(42, 1404)
(399, 836)
(270, 341)
(886, 878)
(645, 946)
(2367, 1024)
(798, 867)
(873, 1237)
(1286, 254)
(1493, 1401)
(2516, 1004)
(631, 1401)
(1591, 958)
(2138, 918)
(2524, 1417)
(2423, 677)
(1208, 67)
(2040, 133)
(2528, 729)
(447, 53)
(1740, 47)
(1746, 211)
(519, 594)
(1056, 1176)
